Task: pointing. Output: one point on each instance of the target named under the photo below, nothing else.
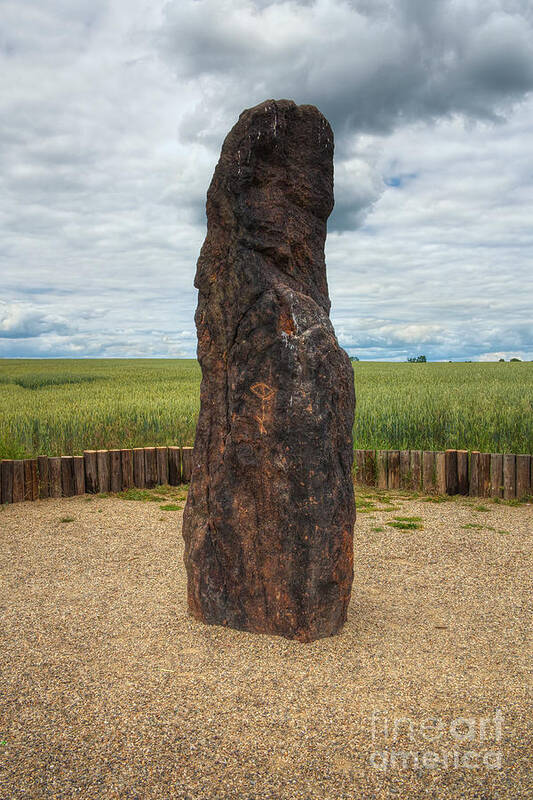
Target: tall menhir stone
(268, 524)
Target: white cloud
(20, 321)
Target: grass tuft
(142, 495)
(404, 525)
(436, 498)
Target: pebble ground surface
(109, 690)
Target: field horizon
(62, 406)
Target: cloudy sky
(112, 117)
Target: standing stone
(268, 524)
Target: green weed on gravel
(437, 498)
(406, 523)
(153, 495)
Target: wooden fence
(450, 472)
(95, 471)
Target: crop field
(63, 406)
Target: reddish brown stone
(268, 524)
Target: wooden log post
(484, 474)
(115, 471)
(91, 471)
(18, 480)
(382, 469)
(393, 478)
(359, 458)
(138, 468)
(150, 467)
(523, 476)
(440, 472)
(44, 481)
(462, 472)
(54, 473)
(162, 465)
(474, 482)
(496, 475)
(416, 470)
(174, 466)
(405, 469)
(67, 476)
(103, 469)
(126, 462)
(452, 482)
(31, 479)
(428, 471)
(369, 469)
(27, 480)
(78, 474)
(34, 479)
(186, 463)
(6, 469)
(509, 476)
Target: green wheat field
(61, 407)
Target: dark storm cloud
(368, 66)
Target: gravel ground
(109, 690)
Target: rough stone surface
(268, 524)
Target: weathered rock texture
(269, 519)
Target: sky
(112, 115)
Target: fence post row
(451, 472)
(95, 471)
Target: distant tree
(501, 359)
(515, 359)
(354, 358)
(417, 360)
